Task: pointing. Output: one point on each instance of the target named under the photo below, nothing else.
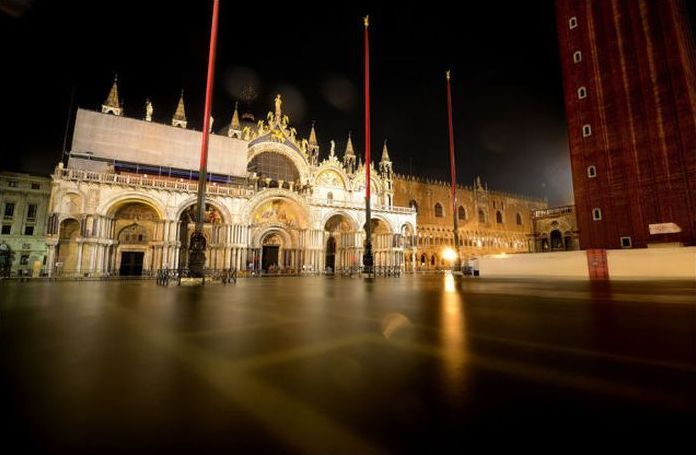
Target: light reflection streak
(453, 338)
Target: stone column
(78, 267)
(51, 260)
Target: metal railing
(164, 277)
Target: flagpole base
(197, 255)
(368, 260)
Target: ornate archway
(340, 242)
(277, 225)
(213, 223)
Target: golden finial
(366, 19)
(447, 73)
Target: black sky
(509, 118)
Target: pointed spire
(349, 146)
(385, 153)
(313, 136)
(112, 104)
(179, 118)
(235, 125)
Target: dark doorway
(556, 240)
(270, 258)
(131, 263)
(331, 254)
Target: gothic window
(438, 210)
(573, 22)
(586, 131)
(481, 216)
(577, 57)
(498, 217)
(461, 213)
(414, 205)
(582, 93)
(519, 219)
(596, 214)
(591, 171)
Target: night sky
(507, 88)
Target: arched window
(329, 196)
(414, 205)
(432, 260)
(438, 210)
(482, 216)
(519, 219)
(461, 213)
(498, 217)
(274, 166)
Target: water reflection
(453, 338)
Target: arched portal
(67, 253)
(212, 223)
(340, 248)
(135, 229)
(277, 226)
(383, 244)
(330, 254)
(270, 254)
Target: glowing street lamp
(449, 255)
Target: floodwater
(417, 364)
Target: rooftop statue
(278, 105)
(148, 110)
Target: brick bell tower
(629, 78)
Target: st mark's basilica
(125, 201)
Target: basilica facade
(125, 201)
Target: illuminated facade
(23, 201)
(489, 222)
(124, 203)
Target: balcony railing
(555, 211)
(150, 182)
(361, 206)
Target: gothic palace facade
(124, 202)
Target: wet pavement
(417, 364)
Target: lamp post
(198, 242)
(456, 263)
(368, 261)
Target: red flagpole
(206, 116)
(368, 262)
(367, 108)
(452, 170)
